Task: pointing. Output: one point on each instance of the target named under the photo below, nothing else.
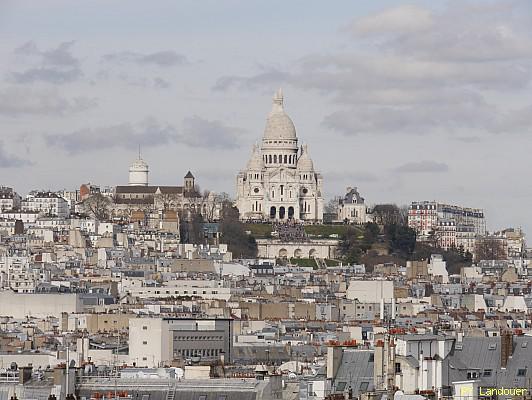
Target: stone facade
(279, 182)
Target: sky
(407, 101)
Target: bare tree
(332, 206)
(166, 201)
(214, 203)
(490, 248)
(387, 214)
(98, 206)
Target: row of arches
(290, 159)
(298, 253)
(282, 213)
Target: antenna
(139, 152)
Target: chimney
(507, 347)
(25, 374)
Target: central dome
(278, 124)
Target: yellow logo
(466, 391)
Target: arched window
(285, 158)
(270, 157)
(275, 158)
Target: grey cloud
(351, 176)
(147, 133)
(46, 75)
(195, 132)
(11, 161)
(59, 56)
(422, 167)
(18, 101)
(418, 120)
(400, 19)
(268, 78)
(415, 70)
(56, 66)
(168, 58)
(199, 132)
(161, 83)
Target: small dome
(304, 162)
(255, 162)
(278, 124)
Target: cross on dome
(278, 101)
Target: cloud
(350, 176)
(267, 78)
(436, 117)
(161, 83)
(19, 101)
(416, 70)
(195, 132)
(59, 56)
(11, 161)
(401, 19)
(147, 133)
(167, 58)
(199, 132)
(46, 75)
(56, 66)
(422, 167)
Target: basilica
(279, 182)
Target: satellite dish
(72, 363)
(179, 372)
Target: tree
(402, 239)
(214, 202)
(166, 201)
(387, 214)
(191, 228)
(490, 248)
(331, 206)
(234, 235)
(98, 206)
(354, 244)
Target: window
(341, 386)
(144, 342)
(311, 389)
(202, 397)
(521, 372)
(364, 387)
(144, 328)
(397, 368)
(487, 372)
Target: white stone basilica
(279, 182)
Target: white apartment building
(27, 217)
(16, 274)
(47, 204)
(204, 289)
(9, 199)
(424, 217)
(154, 342)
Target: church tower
(138, 172)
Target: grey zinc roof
(355, 370)
(484, 353)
